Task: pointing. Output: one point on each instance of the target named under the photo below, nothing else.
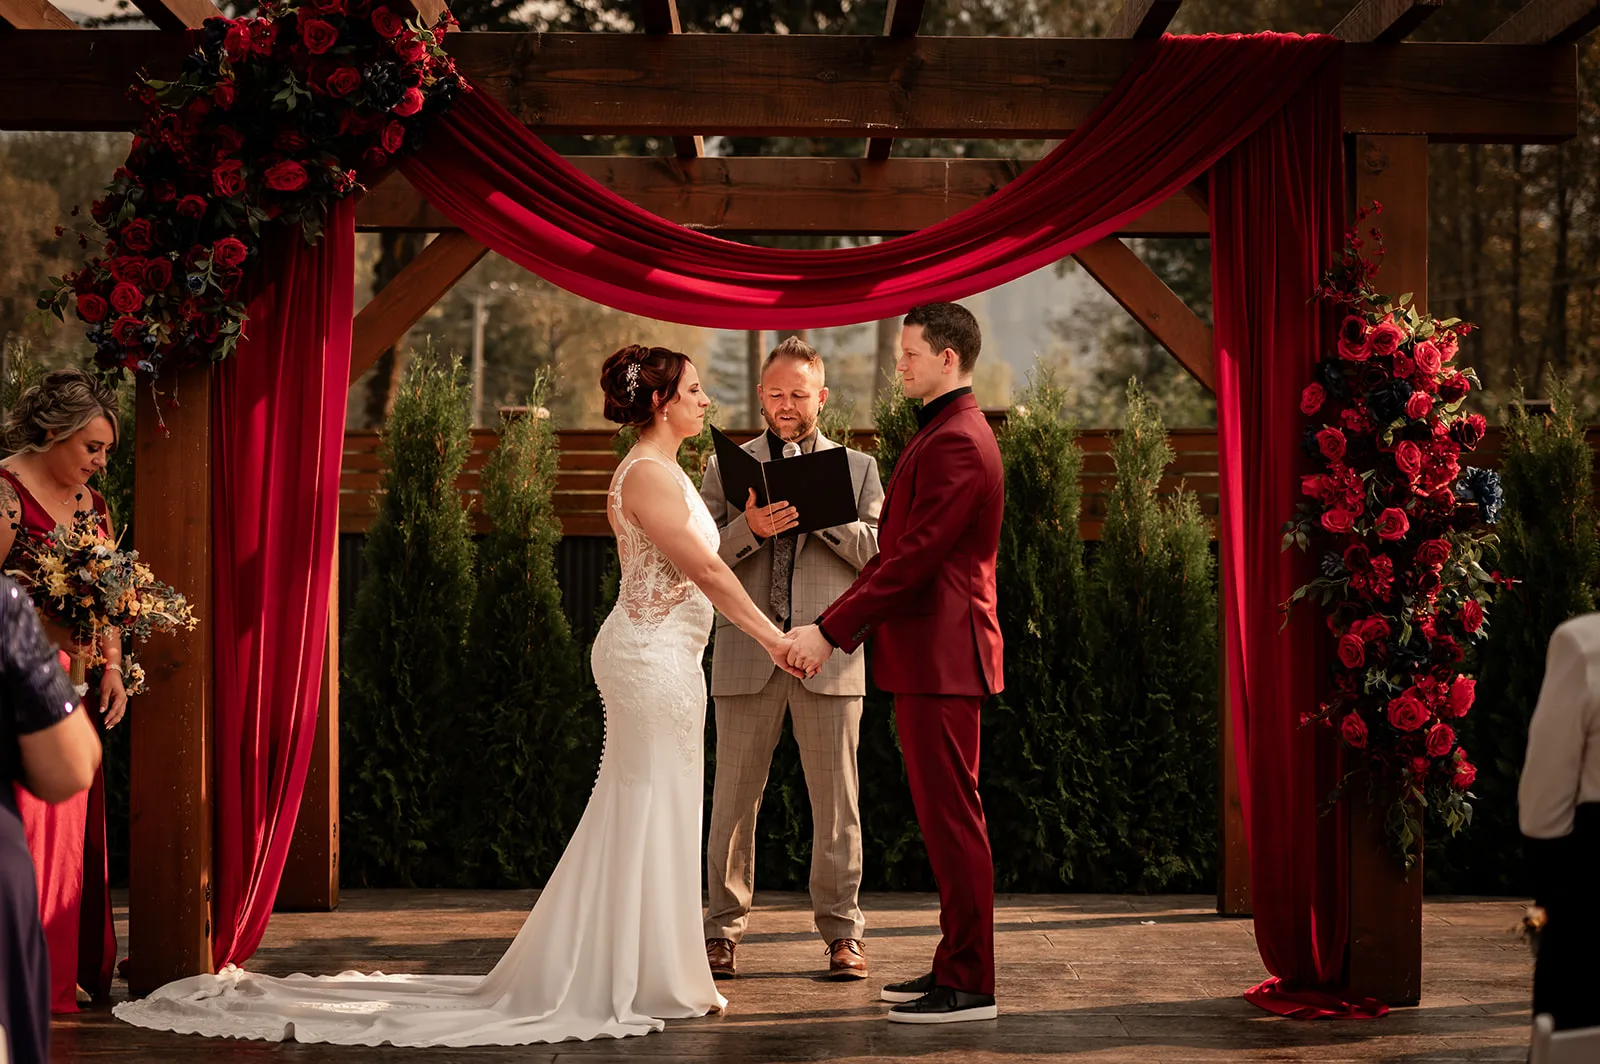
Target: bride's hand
(778, 651)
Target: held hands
(808, 650)
(769, 521)
(779, 652)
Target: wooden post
(1386, 904)
(311, 874)
(169, 878)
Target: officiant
(794, 578)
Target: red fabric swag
(278, 411)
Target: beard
(800, 428)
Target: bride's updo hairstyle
(638, 381)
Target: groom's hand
(779, 652)
(809, 650)
(769, 521)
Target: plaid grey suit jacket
(826, 563)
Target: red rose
(126, 298)
(1471, 616)
(1386, 338)
(1428, 583)
(136, 235)
(1464, 775)
(228, 141)
(1354, 730)
(1338, 521)
(227, 179)
(374, 158)
(236, 45)
(289, 141)
(409, 104)
(1331, 443)
(328, 7)
(92, 308)
(287, 176)
(263, 35)
(127, 268)
(1429, 358)
(1420, 766)
(1357, 557)
(224, 94)
(1462, 694)
(1352, 652)
(1408, 458)
(343, 82)
(1373, 630)
(410, 50)
(228, 253)
(192, 207)
(387, 23)
(1433, 552)
(1469, 430)
(394, 135)
(318, 35)
(1315, 485)
(1407, 713)
(128, 331)
(1354, 344)
(1441, 738)
(1418, 405)
(1392, 524)
(157, 274)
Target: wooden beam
(1143, 20)
(415, 289)
(33, 15)
(831, 86)
(170, 784)
(773, 194)
(1386, 904)
(1385, 21)
(311, 874)
(178, 14)
(427, 12)
(660, 17)
(901, 21)
(1548, 22)
(1153, 305)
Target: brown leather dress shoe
(719, 954)
(847, 959)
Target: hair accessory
(633, 379)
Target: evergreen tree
(402, 691)
(896, 418)
(1044, 759)
(1155, 654)
(536, 735)
(837, 420)
(1548, 545)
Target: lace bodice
(651, 586)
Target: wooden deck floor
(1081, 978)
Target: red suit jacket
(929, 594)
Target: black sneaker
(945, 1005)
(909, 990)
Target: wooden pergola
(1517, 86)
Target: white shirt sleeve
(1552, 774)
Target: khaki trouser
(827, 729)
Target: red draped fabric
(278, 411)
(1181, 107)
(1276, 209)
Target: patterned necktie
(783, 563)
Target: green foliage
(1548, 545)
(693, 454)
(403, 690)
(837, 420)
(536, 721)
(896, 418)
(1155, 654)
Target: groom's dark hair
(949, 325)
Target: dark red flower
(409, 49)
(1446, 649)
(1352, 652)
(1374, 630)
(1357, 558)
(228, 141)
(1469, 430)
(1386, 338)
(394, 135)
(126, 298)
(1428, 583)
(289, 141)
(1331, 443)
(409, 104)
(1441, 738)
(1407, 713)
(328, 7)
(1381, 576)
(343, 82)
(1408, 458)
(128, 268)
(128, 331)
(319, 36)
(387, 23)
(1355, 344)
(263, 35)
(1418, 405)
(92, 308)
(227, 179)
(1392, 524)
(224, 94)
(374, 158)
(1433, 552)
(286, 176)
(1471, 616)
(1464, 775)
(157, 274)
(236, 45)
(1338, 521)
(228, 253)
(1429, 358)
(137, 235)
(1454, 388)
(1354, 730)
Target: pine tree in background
(403, 692)
(896, 418)
(537, 733)
(1155, 609)
(1044, 759)
(837, 420)
(1548, 545)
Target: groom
(929, 600)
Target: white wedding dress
(613, 947)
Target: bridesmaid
(60, 433)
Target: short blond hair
(796, 350)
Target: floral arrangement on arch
(80, 580)
(1398, 523)
(270, 120)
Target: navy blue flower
(1388, 400)
(1482, 486)
(1330, 374)
(1332, 565)
(196, 283)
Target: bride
(613, 946)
